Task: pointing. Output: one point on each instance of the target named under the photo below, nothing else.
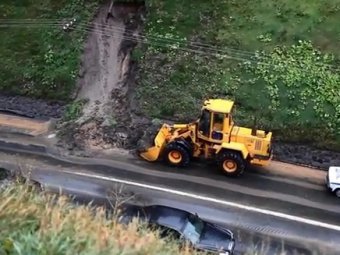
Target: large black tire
(231, 163)
(176, 155)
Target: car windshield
(193, 228)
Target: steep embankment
(106, 83)
(173, 78)
(200, 49)
(293, 90)
(259, 56)
(39, 61)
(104, 67)
(38, 58)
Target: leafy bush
(298, 86)
(74, 110)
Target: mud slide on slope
(106, 81)
(101, 66)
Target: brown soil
(298, 172)
(24, 125)
(106, 83)
(103, 67)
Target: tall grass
(32, 223)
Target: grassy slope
(33, 224)
(175, 81)
(41, 61)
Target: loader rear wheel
(176, 155)
(231, 163)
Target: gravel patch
(32, 108)
(303, 154)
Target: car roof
(167, 216)
(334, 174)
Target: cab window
(204, 123)
(218, 121)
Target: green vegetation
(33, 223)
(278, 58)
(42, 223)
(42, 60)
(297, 88)
(265, 63)
(74, 110)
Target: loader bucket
(152, 153)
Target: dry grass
(32, 223)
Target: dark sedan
(184, 226)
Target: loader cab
(215, 122)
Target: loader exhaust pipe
(254, 129)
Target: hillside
(38, 59)
(265, 62)
(277, 59)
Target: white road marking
(213, 200)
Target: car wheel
(37, 186)
(337, 193)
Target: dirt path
(24, 125)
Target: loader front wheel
(176, 155)
(231, 163)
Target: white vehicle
(333, 180)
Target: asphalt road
(301, 213)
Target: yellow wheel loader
(214, 136)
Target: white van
(333, 180)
